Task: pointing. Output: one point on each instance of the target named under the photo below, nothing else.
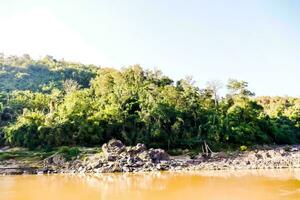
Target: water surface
(228, 185)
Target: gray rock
(115, 144)
(57, 159)
(126, 169)
(113, 149)
(157, 155)
(259, 156)
(96, 164)
(111, 157)
(116, 168)
(139, 148)
(293, 149)
(144, 156)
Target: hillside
(23, 73)
(46, 103)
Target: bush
(2, 139)
(243, 148)
(5, 156)
(69, 152)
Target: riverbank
(116, 157)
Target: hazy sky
(257, 41)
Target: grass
(31, 156)
(24, 155)
(69, 152)
(5, 156)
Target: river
(211, 185)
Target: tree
(238, 88)
(51, 102)
(214, 86)
(70, 86)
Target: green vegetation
(243, 148)
(22, 154)
(48, 103)
(69, 152)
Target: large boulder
(115, 144)
(118, 157)
(113, 149)
(144, 156)
(57, 159)
(158, 155)
(135, 150)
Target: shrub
(243, 148)
(69, 152)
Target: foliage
(23, 73)
(47, 103)
(243, 148)
(69, 152)
(21, 154)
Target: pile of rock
(277, 158)
(117, 157)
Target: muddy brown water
(211, 185)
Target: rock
(40, 173)
(57, 159)
(157, 155)
(139, 163)
(117, 157)
(113, 149)
(139, 148)
(111, 157)
(293, 149)
(135, 158)
(116, 168)
(98, 170)
(144, 156)
(5, 148)
(283, 152)
(259, 156)
(102, 170)
(105, 148)
(115, 144)
(272, 154)
(158, 166)
(95, 164)
(126, 169)
(130, 161)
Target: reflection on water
(212, 185)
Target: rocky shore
(116, 157)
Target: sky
(257, 41)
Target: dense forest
(47, 103)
